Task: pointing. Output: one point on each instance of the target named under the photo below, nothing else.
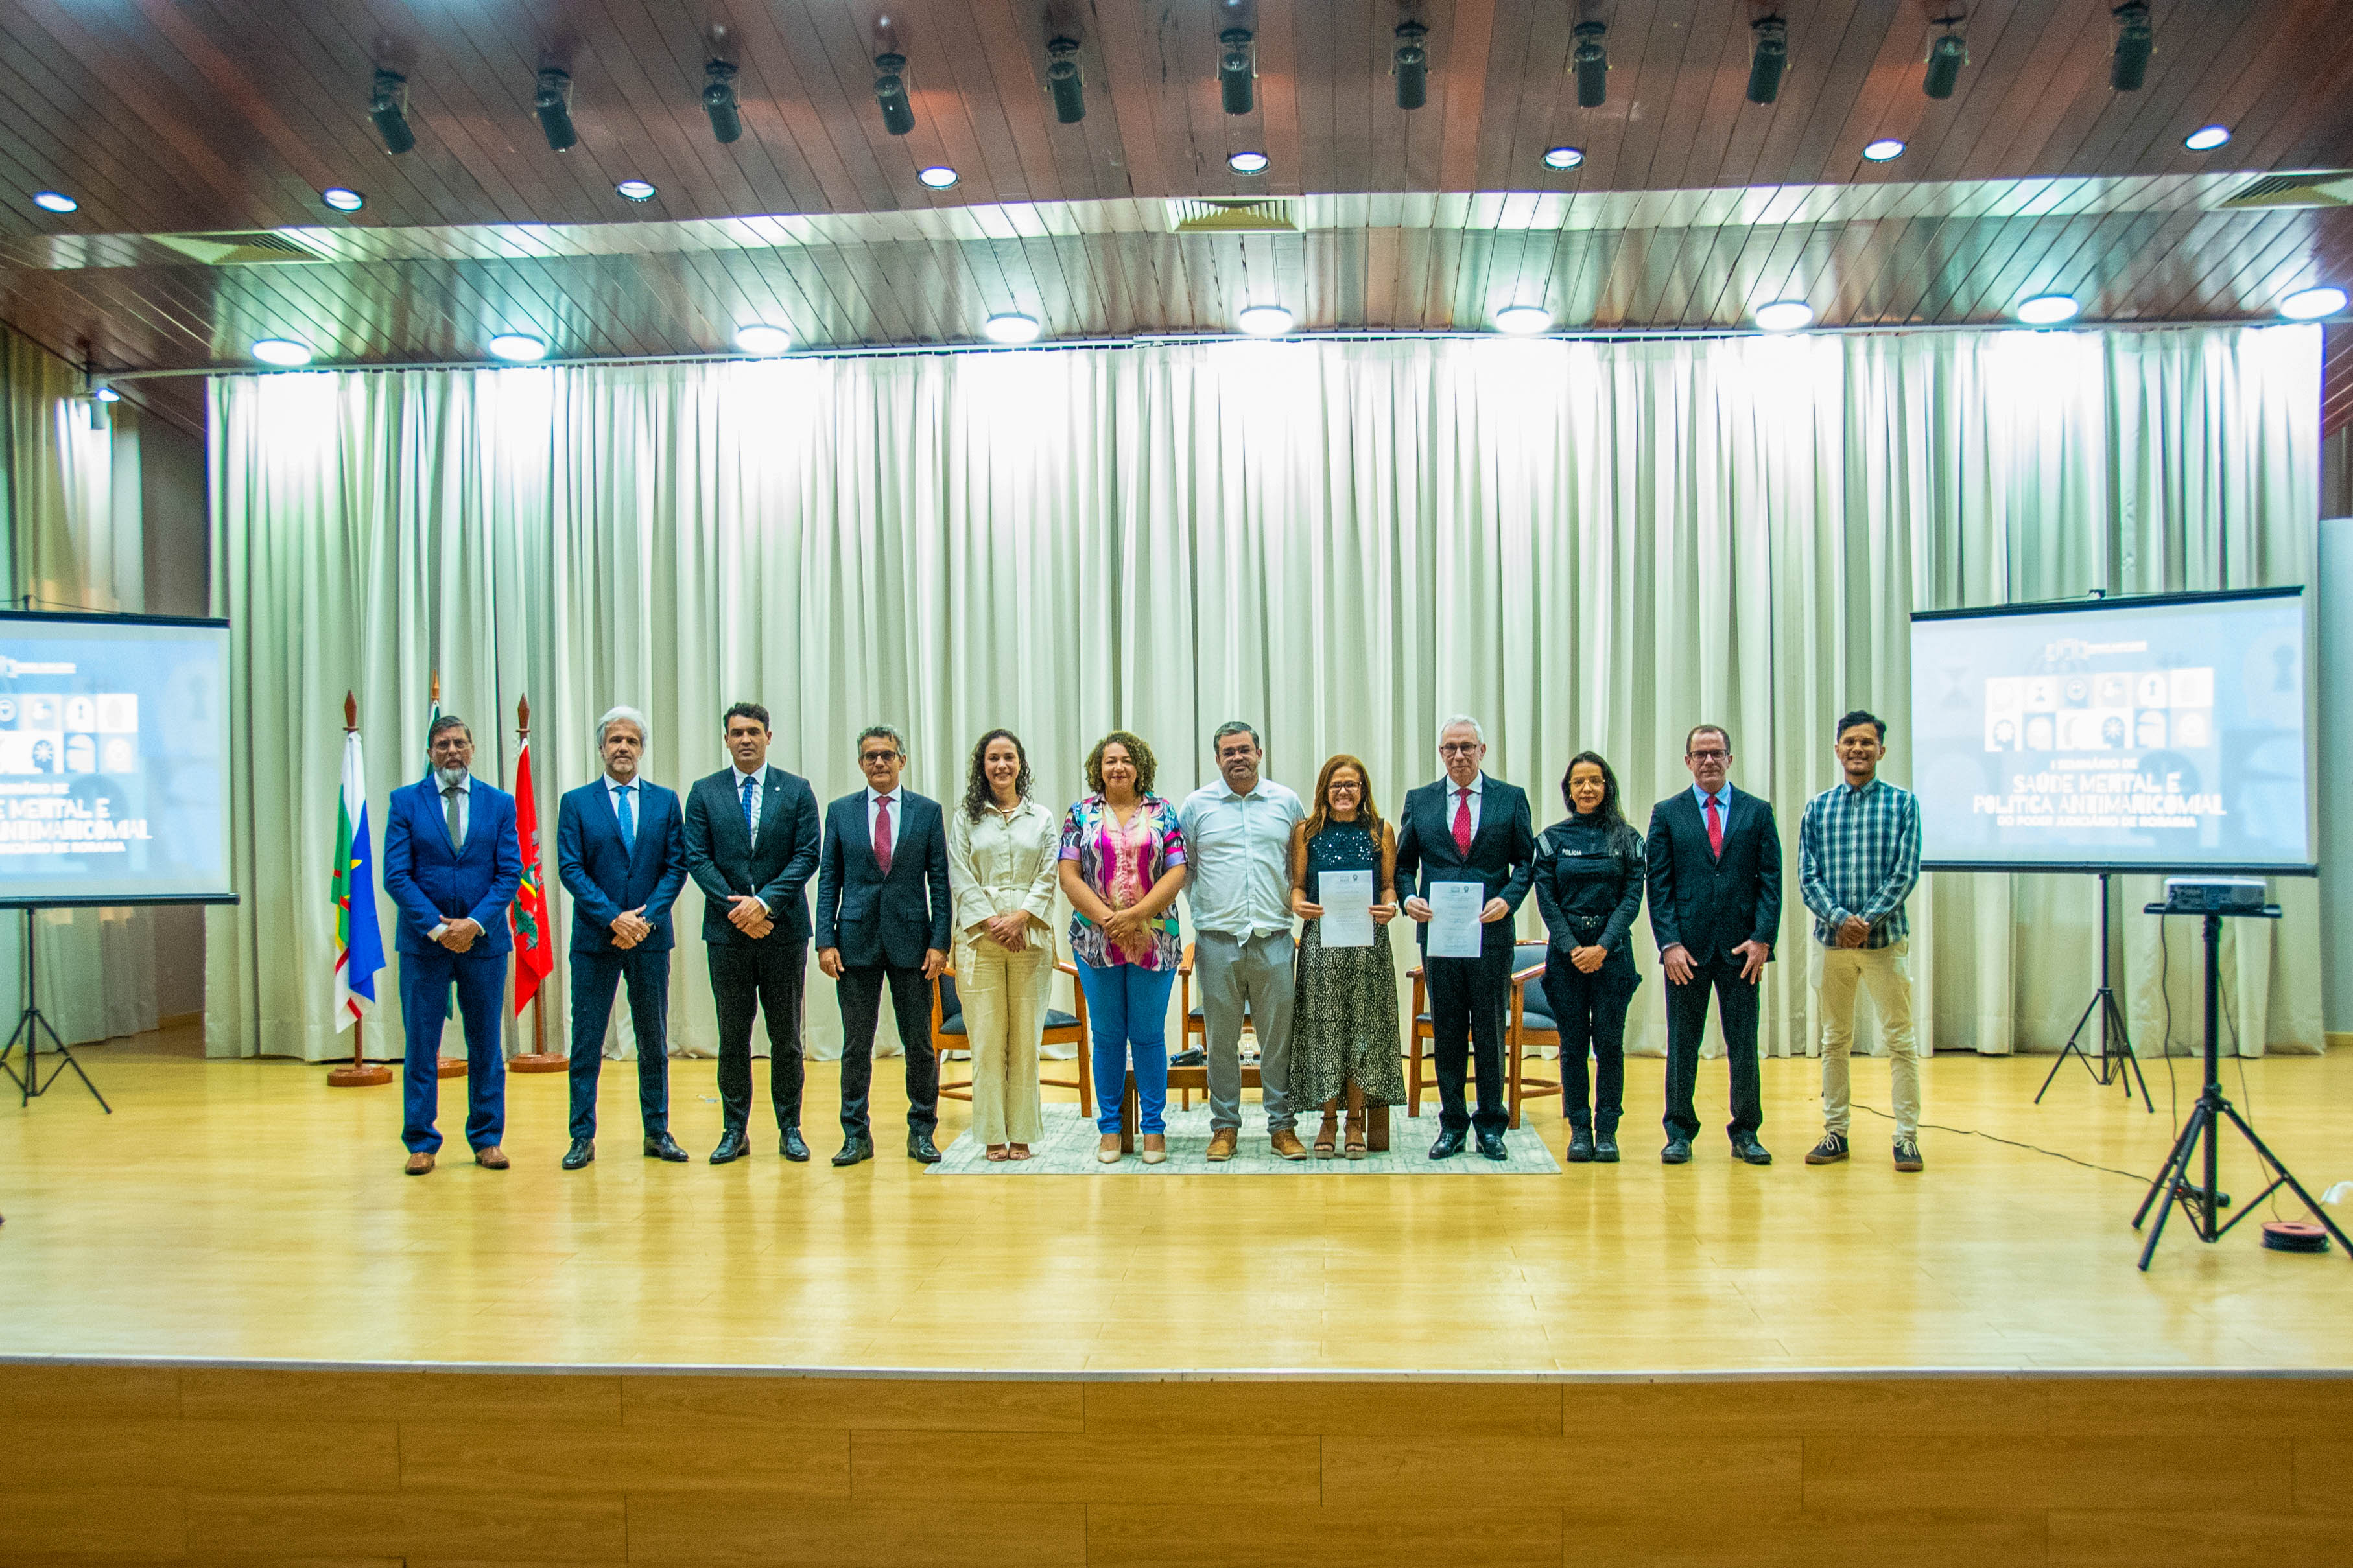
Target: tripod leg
(66, 1059)
(2177, 1169)
(2289, 1177)
(2123, 1036)
(2072, 1047)
(2176, 1157)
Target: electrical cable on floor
(2012, 1143)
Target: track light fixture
(553, 104)
(388, 107)
(1592, 65)
(2135, 41)
(1413, 69)
(719, 102)
(890, 92)
(1063, 81)
(1947, 55)
(1770, 59)
(1237, 68)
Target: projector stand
(2202, 1202)
(2116, 1057)
(31, 1027)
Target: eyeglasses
(872, 757)
(1709, 756)
(1458, 748)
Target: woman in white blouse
(1002, 871)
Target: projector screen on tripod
(113, 760)
(2164, 734)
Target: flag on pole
(359, 945)
(535, 956)
(432, 717)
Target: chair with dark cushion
(1062, 1029)
(1530, 1024)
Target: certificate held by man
(1454, 919)
(1347, 900)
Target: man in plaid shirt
(1858, 857)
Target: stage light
(1264, 321)
(388, 107)
(1592, 65)
(1412, 68)
(1785, 316)
(1564, 157)
(2136, 40)
(341, 199)
(759, 338)
(2311, 304)
(55, 202)
(1235, 70)
(1524, 321)
(1011, 327)
(2206, 138)
(890, 93)
(1771, 59)
(1947, 55)
(635, 190)
(553, 104)
(282, 351)
(1886, 150)
(105, 393)
(518, 348)
(939, 176)
(719, 102)
(2047, 310)
(1247, 162)
(1068, 87)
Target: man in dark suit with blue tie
(620, 849)
(882, 916)
(451, 866)
(1716, 905)
(751, 847)
(1468, 827)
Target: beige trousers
(1886, 974)
(1003, 996)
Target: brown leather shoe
(491, 1157)
(1287, 1144)
(1222, 1142)
(418, 1165)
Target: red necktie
(1715, 830)
(882, 834)
(1462, 821)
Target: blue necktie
(628, 823)
(750, 782)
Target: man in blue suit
(451, 866)
(620, 849)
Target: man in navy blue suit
(620, 848)
(451, 866)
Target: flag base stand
(451, 1067)
(539, 1062)
(358, 1075)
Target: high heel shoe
(1107, 1150)
(1327, 1137)
(1357, 1126)
(1154, 1148)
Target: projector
(2212, 895)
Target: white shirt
(614, 788)
(465, 788)
(1001, 864)
(1237, 858)
(1478, 788)
(898, 799)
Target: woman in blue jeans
(1122, 859)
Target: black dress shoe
(733, 1145)
(792, 1148)
(1746, 1147)
(855, 1150)
(1580, 1146)
(663, 1146)
(920, 1147)
(1449, 1144)
(1677, 1152)
(1491, 1145)
(582, 1149)
(1605, 1148)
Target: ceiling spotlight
(890, 92)
(105, 393)
(1413, 66)
(1886, 150)
(1564, 157)
(1785, 316)
(2048, 310)
(553, 104)
(1592, 65)
(388, 107)
(54, 202)
(1011, 327)
(1947, 55)
(635, 190)
(518, 348)
(1264, 321)
(1247, 162)
(2206, 138)
(939, 176)
(1524, 321)
(2136, 40)
(759, 338)
(342, 199)
(719, 102)
(1771, 59)
(2311, 304)
(1236, 67)
(1064, 82)
(282, 351)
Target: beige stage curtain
(1586, 545)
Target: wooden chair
(1520, 1030)
(1061, 1028)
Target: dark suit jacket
(431, 883)
(603, 880)
(1503, 852)
(871, 918)
(725, 864)
(1709, 905)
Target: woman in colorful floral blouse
(1123, 865)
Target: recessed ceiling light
(54, 200)
(1523, 320)
(105, 393)
(1011, 327)
(2048, 310)
(282, 350)
(2206, 138)
(939, 176)
(635, 190)
(1247, 162)
(1785, 316)
(759, 338)
(518, 348)
(1885, 150)
(2311, 304)
(342, 199)
(1265, 320)
(1564, 157)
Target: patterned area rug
(1069, 1149)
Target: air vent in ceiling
(1221, 215)
(248, 248)
(2311, 188)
